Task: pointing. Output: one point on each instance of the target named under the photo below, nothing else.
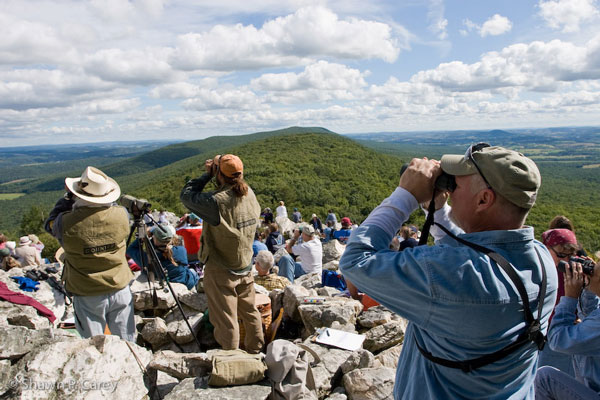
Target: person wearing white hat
(93, 232)
(26, 254)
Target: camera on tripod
(587, 265)
(136, 207)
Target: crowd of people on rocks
(481, 301)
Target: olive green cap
(508, 172)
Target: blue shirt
(342, 235)
(459, 303)
(581, 340)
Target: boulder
(359, 359)
(292, 298)
(5, 375)
(389, 358)
(181, 365)
(178, 329)
(156, 333)
(196, 301)
(332, 250)
(309, 281)
(327, 373)
(99, 367)
(374, 316)
(197, 388)
(384, 336)
(370, 383)
(162, 384)
(328, 291)
(142, 295)
(336, 312)
(332, 265)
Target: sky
(75, 71)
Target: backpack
(290, 371)
(236, 367)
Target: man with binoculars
(478, 301)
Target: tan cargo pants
(231, 296)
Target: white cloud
(496, 25)
(537, 66)
(291, 40)
(568, 14)
(224, 98)
(118, 11)
(493, 26)
(438, 24)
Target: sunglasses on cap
(474, 148)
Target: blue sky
(100, 70)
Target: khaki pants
(231, 297)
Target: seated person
(176, 267)
(310, 252)
(264, 262)
(316, 223)
(328, 231)
(257, 245)
(191, 233)
(409, 234)
(343, 234)
(274, 240)
(581, 341)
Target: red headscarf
(554, 237)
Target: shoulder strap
(533, 332)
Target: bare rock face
(178, 329)
(16, 341)
(162, 385)
(328, 291)
(389, 358)
(332, 251)
(327, 373)
(336, 312)
(370, 383)
(142, 296)
(181, 365)
(197, 388)
(332, 265)
(384, 336)
(95, 368)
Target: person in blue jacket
(172, 258)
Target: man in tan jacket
(93, 233)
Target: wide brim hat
(94, 186)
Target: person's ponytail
(238, 185)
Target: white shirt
(281, 211)
(311, 255)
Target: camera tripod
(152, 266)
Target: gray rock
(95, 368)
(332, 265)
(178, 329)
(370, 383)
(337, 312)
(197, 301)
(332, 250)
(16, 341)
(292, 298)
(389, 358)
(309, 281)
(360, 359)
(142, 295)
(197, 388)
(162, 385)
(384, 336)
(328, 291)
(5, 375)
(156, 333)
(339, 393)
(181, 365)
(328, 372)
(375, 316)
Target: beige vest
(229, 244)
(94, 240)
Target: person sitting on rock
(331, 217)
(26, 253)
(310, 252)
(191, 234)
(296, 216)
(343, 234)
(274, 240)
(281, 210)
(268, 216)
(328, 231)
(316, 223)
(175, 262)
(257, 245)
(264, 262)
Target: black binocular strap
(533, 331)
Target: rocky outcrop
(370, 383)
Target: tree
(33, 221)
